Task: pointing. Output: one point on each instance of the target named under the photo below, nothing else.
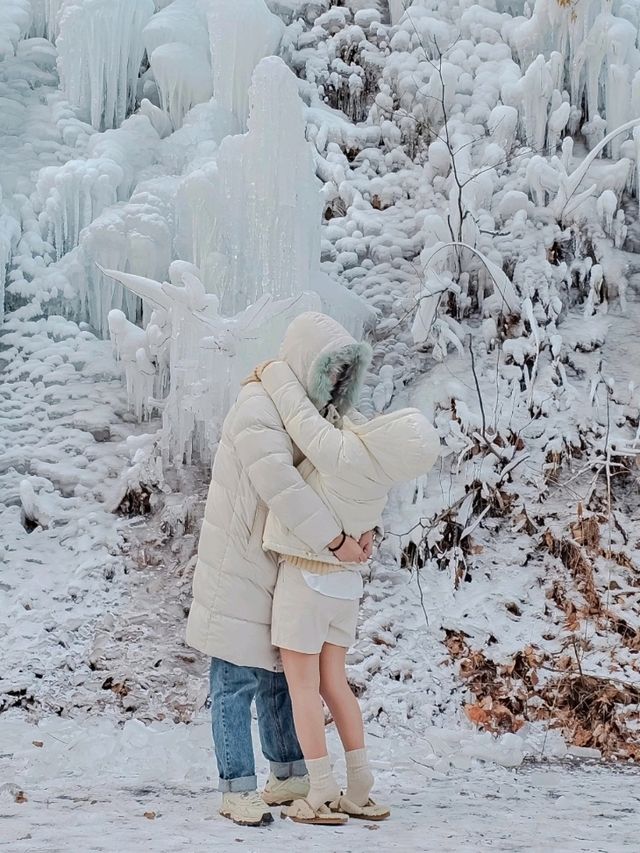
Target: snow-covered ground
(90, 786)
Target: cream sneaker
(246, 809)
(282, 792)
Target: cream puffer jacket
(351, 468)
(254, 470)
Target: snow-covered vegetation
(459, 182)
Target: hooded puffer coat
(254, 471)
(353, 468)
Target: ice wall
(189, 360)
(68, 198)
(397, 9)
(596, 43)
(46, 15)
(9, 235)
(183, 76)
(137, 238)
(15, 19)
(241, 33)
(254, 223)
(100, 48)
(181, 21)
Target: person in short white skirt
(315, 608)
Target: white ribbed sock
(323, 787)
(359, 776)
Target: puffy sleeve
(324, 445)
(355, 417)
(266, 453)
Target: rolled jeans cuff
(239, 785)
(286, 769)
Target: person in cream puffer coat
(230, 618)
(352, 467)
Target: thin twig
(477, 384)
(424, 609)
(575, 651)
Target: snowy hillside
(460, 183)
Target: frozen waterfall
(100, 49)
(252, 229)
(254, 222)
(241, 32)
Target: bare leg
(346, 712)
(303, 677)
(339, 697)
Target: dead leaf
(150, 815)
(21, 797)
(37, 743)
(586, 531)
(477, 714)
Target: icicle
(617, 101)
(255, 226)
(607, 205)
(635, 94)
(503, 125)
(537, 87)
(100, 49)
(130, 347)
(383, 391)
(159, 119)
(9, 236)
(133, 238)
(183, 75)
(594, 297)
(46, 14)
(542, 179)
(557, 122)
(68, 198)
(594, 130)
(555, 67)
(636, 140)
(619, 232)
(397, 9)
(72, 196)
(181, 21)
(241, 33)
(567, 153)
(15, 21)
(189, 359)
(433, 291)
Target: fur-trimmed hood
(316, 346)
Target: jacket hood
(403, 444)
(316, 346)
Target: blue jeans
(233, 689)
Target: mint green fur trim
(356, 357)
